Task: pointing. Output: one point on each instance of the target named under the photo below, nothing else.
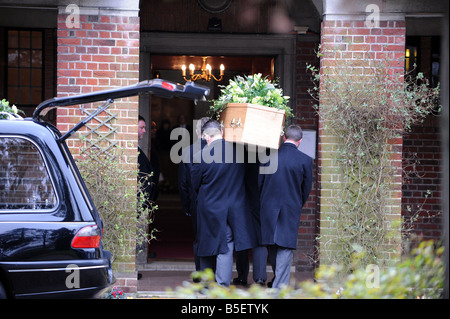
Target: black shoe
(139, 276)
(239, 282)
(260, 282)
(270, 283)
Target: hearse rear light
(87, 237)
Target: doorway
(162, 54)
(174, 236)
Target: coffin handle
(234, 123)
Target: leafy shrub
(366, 106)
(125, 210)
(420, 275)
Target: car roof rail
(158, 87)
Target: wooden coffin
(253, 124)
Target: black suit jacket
(187, 194)
(283, 195)
(149, 184)
(218, 176)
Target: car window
(25, 182)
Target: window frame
(30, 86)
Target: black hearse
(50, 230)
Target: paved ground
(154, 283)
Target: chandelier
(206, 72)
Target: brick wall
(422, 159)
(102, 53)
(305, 255)
(360, 44)
(421, 201)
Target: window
(25, 183)
(24, 70)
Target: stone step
(171, 265)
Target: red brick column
(365, 46)
(102, 52)
(357, 41)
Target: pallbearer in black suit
(283, 194)
(148, 173)
(187, 194)
(147, 167)
(224, 221)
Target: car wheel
(3, 294)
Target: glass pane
(25, 61)
(13, 39)
(13, 76)
(13, 57)
(12, 96)
(24, 95)
(36, 77)
(25, 75)
(36, 58)
(36, 39)
(24, 58)
(36, 95)
(24, 39)
(25, 183)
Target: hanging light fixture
(206, 72)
